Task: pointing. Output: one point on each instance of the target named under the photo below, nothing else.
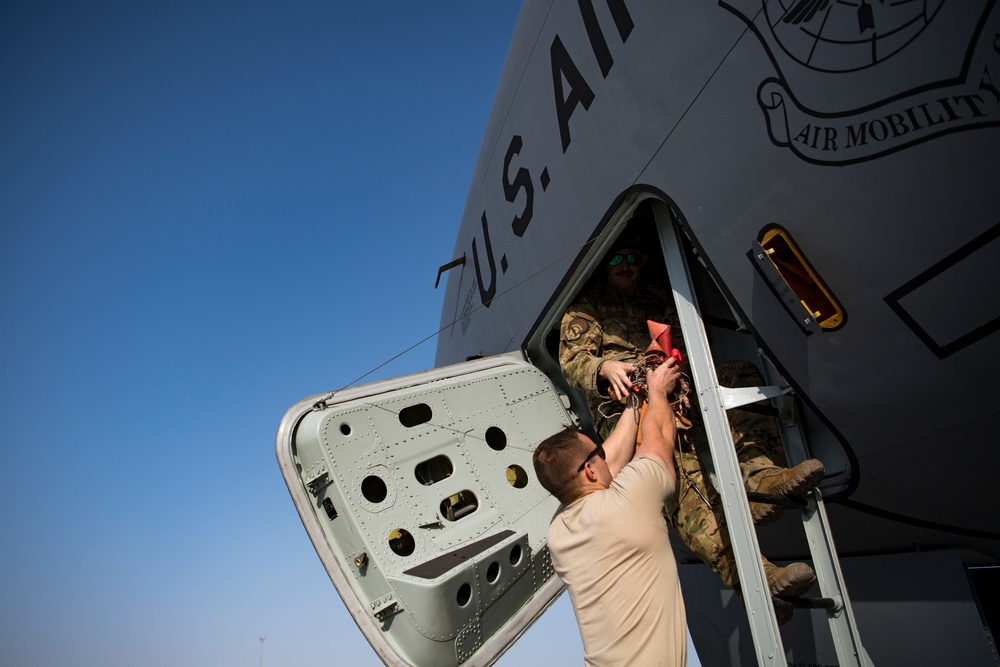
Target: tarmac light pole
(261, 651)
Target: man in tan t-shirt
(609, 540)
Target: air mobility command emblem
(858, 80)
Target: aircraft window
(374, 489)
(496, 438)
(802, 278)
(464, 594)
(345, 428)
(459, 505)
(515, 554)
(401, 542)
(493, 572)
(415, 415)
(434, 470)
(516, 476)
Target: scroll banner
(862, 135)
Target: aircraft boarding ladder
(714, 401)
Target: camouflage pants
(695, 510)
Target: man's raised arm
(659, 433)
(620, 443)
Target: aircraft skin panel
(535, 175)
(868, 228)
(914, 609)
(419, 496)
(862, 377)
(684, 111)
(522, 45)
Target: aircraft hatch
(419, 496)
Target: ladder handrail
(826, 563)
(725, 475)
(727, 478)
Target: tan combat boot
(797, 481)
(792, 581)
(789, 581)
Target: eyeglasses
(598, 451)
(632, 258)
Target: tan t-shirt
(611, 550)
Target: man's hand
(663, 380)
(685, 391)
(616, 373)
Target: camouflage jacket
(603, 325)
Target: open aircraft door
(419, 496)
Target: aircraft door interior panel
(418, 494)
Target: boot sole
(765, 514)
(800, 485)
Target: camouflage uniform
(603, 325)
(695, 510)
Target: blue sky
(210, 211)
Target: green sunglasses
(631, 258)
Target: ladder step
(766, 410)
(810, 603)
(771, 499)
